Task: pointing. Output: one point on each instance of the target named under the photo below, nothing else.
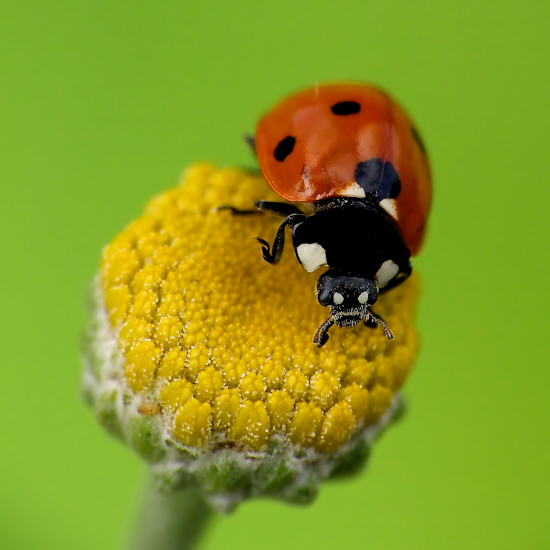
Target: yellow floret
(233, 372)
(384, 373)
(148, 277)
(323, 389)
(209, 383)
(173, 364)
(118, 266)
(117, 300)
(251, 425)
(222, 341)
(171, 286)
(193, 423)
(359, 371)
(145, 304)
(379, 401)
(279, 406)
(226, 406)
(403, 359)
(173, 396)
(357, 397)
(149, 242)
(305, 424)
(337, 426)
(252, 386)
(168, 332)
(296, 384)
(141, 363)
(171, 304)
(133, 331)
(273, 373)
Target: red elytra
(329, 144)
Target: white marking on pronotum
(363, 297)
(352, 190)
(311, 256)
(337, 298)
(389, 206)
(388, 270)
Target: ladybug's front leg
(370, 322)
(373, 320)
(321, 336)
(274, 254)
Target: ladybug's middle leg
(278, 208)
(236, 211)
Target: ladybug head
(350, 299)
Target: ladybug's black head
(350, 299)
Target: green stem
(170, 521)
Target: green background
(102, 104)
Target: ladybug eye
(284, 148)
(346, 108)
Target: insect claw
(266, 253)
(321, 336)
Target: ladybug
(353, 153)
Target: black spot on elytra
(346, 108)
(418, 139)
(284, 148)
(378, 179)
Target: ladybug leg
(274, 254)
(399, 278)
(321, 336)
(236, 211)
(377, 320)
(370, 322)
(278, 208)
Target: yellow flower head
(205, 348)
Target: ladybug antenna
(373, 318)
(321, 336)
(251, 142)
